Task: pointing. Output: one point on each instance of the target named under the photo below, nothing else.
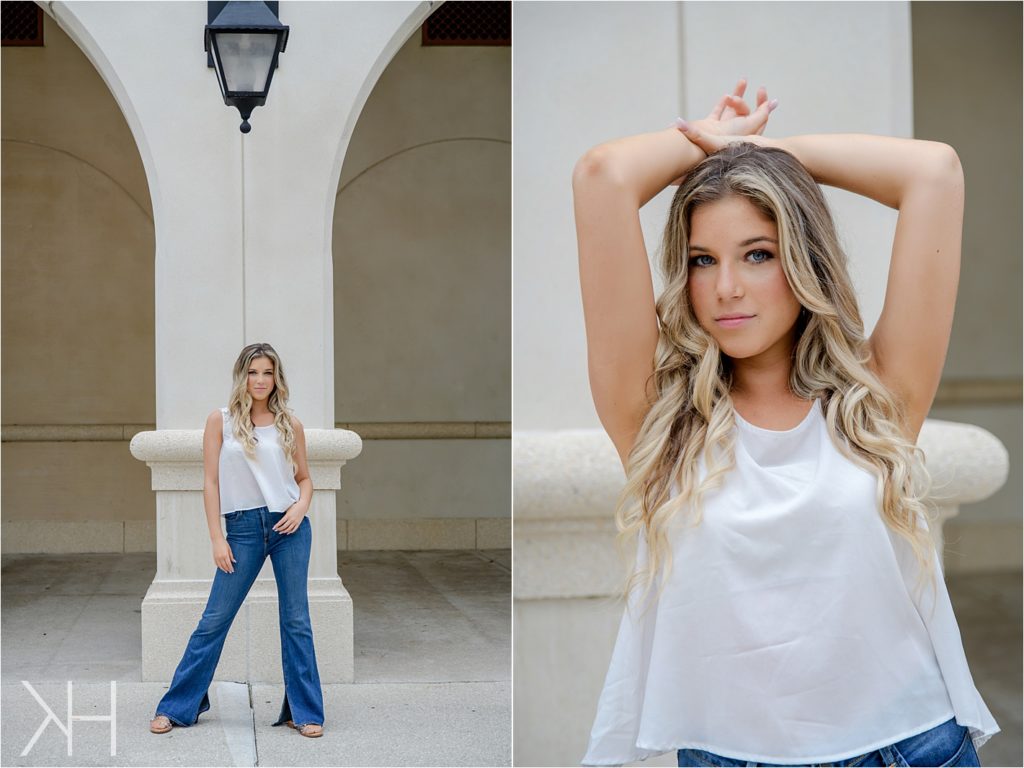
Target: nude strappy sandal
(160, 724)
(309, 730)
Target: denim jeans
(250, 534)
(945, 744)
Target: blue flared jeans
(252, 539)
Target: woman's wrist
(689, 154)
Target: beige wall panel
(412, 534)
(967, 58)
(410, 479)
(75, 481)
(493, 533)
(423, 296)
(982, 546)
(434, 93)
(53, 97)
(422, 242)
(77, 294)
(77, 299)
(64, 536)
(422, 287)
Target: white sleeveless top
(787, 631)
(269, 481)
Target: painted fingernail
(682, 125)
(773, 104)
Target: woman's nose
(728, 284)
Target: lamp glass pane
(246, 58)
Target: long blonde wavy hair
(240, 404)
(692, 416)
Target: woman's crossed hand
(731, 120)
(292, 518)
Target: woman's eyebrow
(743, 244)
(758, 239)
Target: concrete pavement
(432, 669)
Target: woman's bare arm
(611, 182)
(213, 438)
(610, 185)
(923, 180)
(295, 514)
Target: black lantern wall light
(242, 42)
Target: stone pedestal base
(184, 567)
(252, 652)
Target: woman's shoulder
(296, 424)
(216, 418)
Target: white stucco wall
(583, 73)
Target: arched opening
(421, 248)
(78, 345)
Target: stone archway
(421, 241)
(78, 244)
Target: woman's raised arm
(923, 180)
(611, 182)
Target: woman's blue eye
(699, 261)
(759, 256)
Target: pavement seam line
(235, 714)
(492, 561)
(252, 714)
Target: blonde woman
(786, 606)
(257, 482)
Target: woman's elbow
(597, 165)
(945, 164)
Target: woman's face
(260, 378)
(736, 285)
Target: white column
(243, 253)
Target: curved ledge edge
(186, 445)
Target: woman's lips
(732, 321)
